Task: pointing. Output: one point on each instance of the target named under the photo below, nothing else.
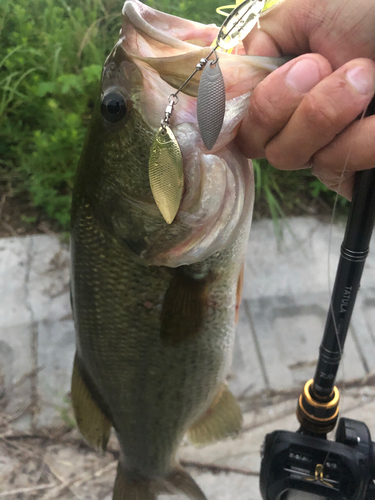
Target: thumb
(284, 29)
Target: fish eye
(113, 106)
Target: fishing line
(224, 35)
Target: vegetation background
(51, 56)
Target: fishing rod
(304, 465)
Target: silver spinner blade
(211, 103)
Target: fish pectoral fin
(184, 306)
(177, 481)
(92, 422)
(221, 420)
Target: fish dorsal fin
(93, 424)
(221, 420)
(184, 306)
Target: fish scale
(126, 358)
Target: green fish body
(155, 304)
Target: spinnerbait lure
(165, 163)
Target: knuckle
(322, 114)
(262, 109)
(321, 160)
(279, 158)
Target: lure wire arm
(204, 61)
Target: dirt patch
(18, 217)
(58, 464)
(55, 464)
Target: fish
(155, 305)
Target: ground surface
(285, 302)
(57, 464)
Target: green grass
(51, 56)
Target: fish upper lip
(137, 14)
(163, 64)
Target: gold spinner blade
(165, 170)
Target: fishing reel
(304, 465)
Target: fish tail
(182, 482)
(178, 481)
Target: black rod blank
(354, 250)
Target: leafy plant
(267, 188)
(203, 11)
(320, 190)
(51, 55)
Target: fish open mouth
(173, 46)
(217, 202)
(218, 192)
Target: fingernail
(303, 76)
(361, 79)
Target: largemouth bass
(155, 304)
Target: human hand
(303, 114)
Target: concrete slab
(362, 327)
(16, 368)
(278, 336)
(247, 376)
(49, 279)
(34, 298)
(56, 348)
(360, 405)
(16, 327)
(14, 271)
(297, 263)
(289, 331)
